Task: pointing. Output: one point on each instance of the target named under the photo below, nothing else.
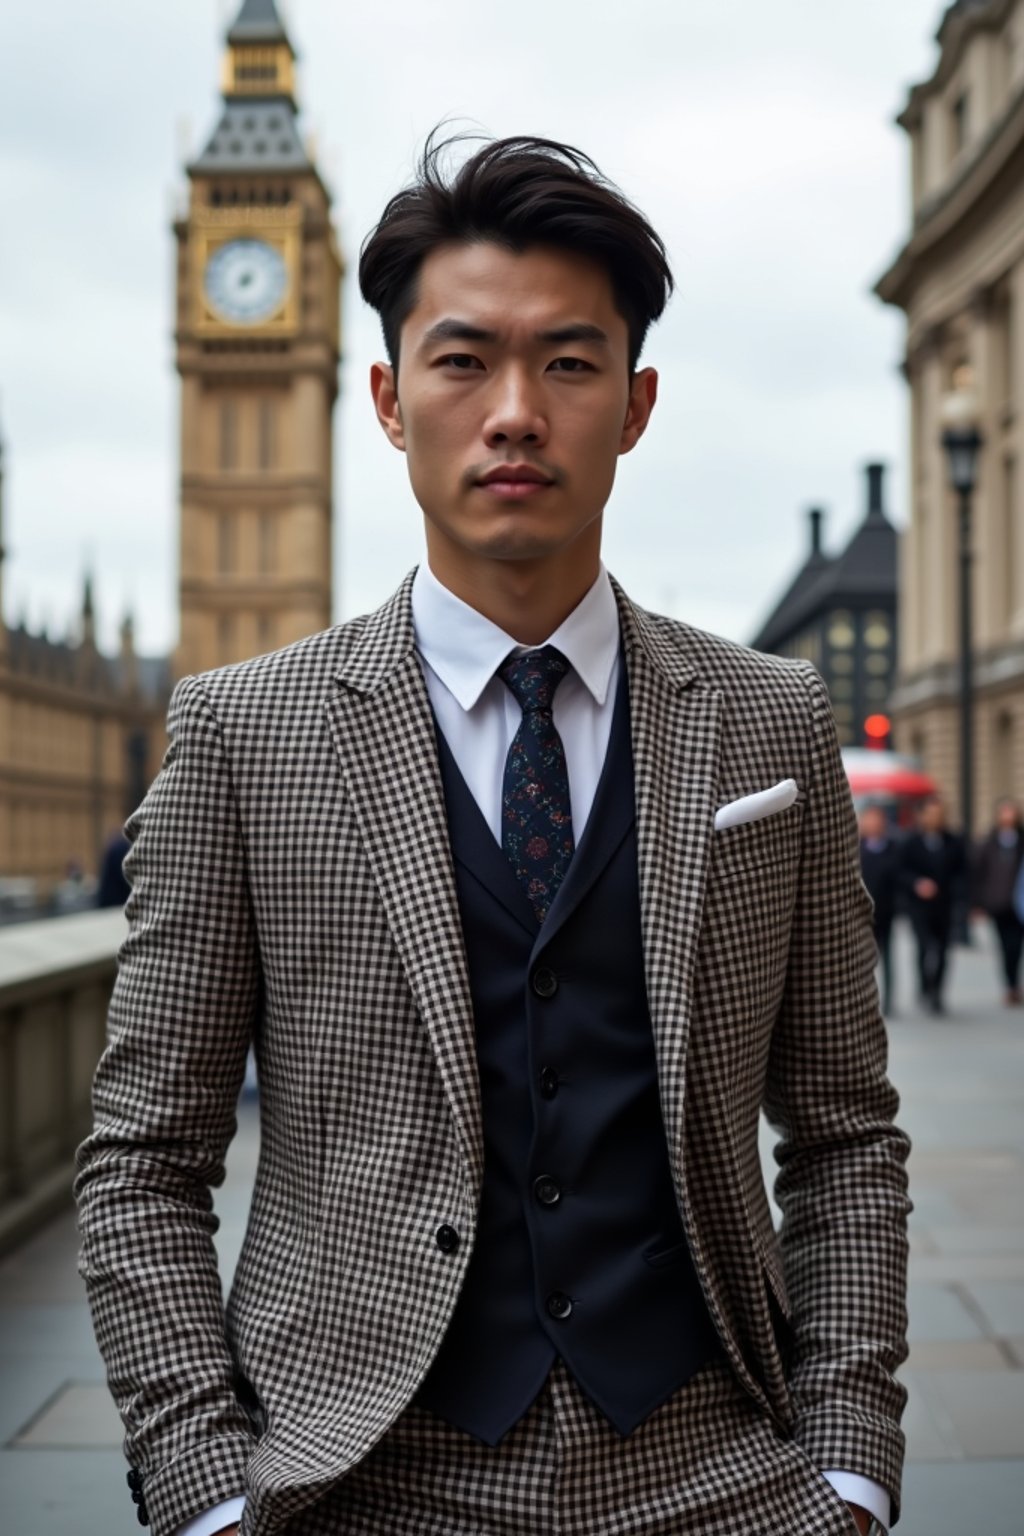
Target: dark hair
(517, 192)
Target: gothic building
(840, 612)
(257, 335)
(80, 738)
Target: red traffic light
(877, 728)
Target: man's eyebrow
(457, 330)
(560, 335)
(580, 331)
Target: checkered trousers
(707, 1462)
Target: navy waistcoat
(580, 1250)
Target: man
(935, 871)
(576, 893)
(997, 866)
(881, 872)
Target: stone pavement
(962, 1080)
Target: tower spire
(258, 22)
(260, 59)
(88, 611)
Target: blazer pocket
(773, 840)
(659, 1254)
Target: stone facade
(960, 281)
(81, 735)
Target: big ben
(258, 288)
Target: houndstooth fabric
(292, 886)
(536, 817)
(708, 1461)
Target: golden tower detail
(258, 343)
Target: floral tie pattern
(536, 819)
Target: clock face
(246, 281)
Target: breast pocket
(748, 908)
(774, 841)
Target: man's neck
(528, 600)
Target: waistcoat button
(447, 1238)
(559, 1306)
(549, 1082)
(545, 982)
(546, 1190)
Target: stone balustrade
(56, 978)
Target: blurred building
(840, 612)
(81, 735)
(258, 335)
(258, 295)
(960, 280)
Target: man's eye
(464, 361)
(571, 365)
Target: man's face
(872, 822)
(933, 816)
(513, 403)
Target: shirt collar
(465, 649)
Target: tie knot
(533, 676)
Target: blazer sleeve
(842, 1184)
(164, 1098)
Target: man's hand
(926, 889)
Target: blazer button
(447, 1238)
(559, 1306)
(545, 982)
(548, 1083)
(546, 1190)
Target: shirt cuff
(863, 1491)
(212, 1520)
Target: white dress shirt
(460, 652)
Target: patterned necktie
(536, 819)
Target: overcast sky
(757, 136)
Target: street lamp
(962, 442)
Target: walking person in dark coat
(997, 867)
(935, 870)
(114, 889)
(881, 870)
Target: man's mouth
(514, 482)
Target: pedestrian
(997, 866)
(881, 870)
(935, 877)
(530, 900)
(113, 890)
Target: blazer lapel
(675, 727)
(383, 733)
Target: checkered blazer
(293, 888)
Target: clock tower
(258, 289)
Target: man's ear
(643, 392)
(385, 400)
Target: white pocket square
(754, 807)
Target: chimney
(876, 475)
(816, 517)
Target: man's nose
(516, 413)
